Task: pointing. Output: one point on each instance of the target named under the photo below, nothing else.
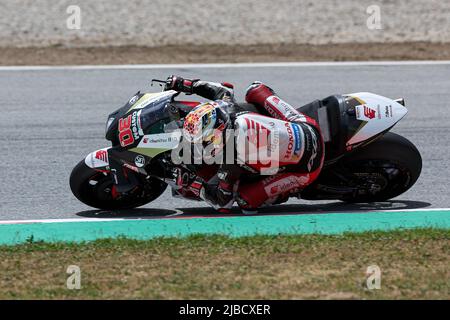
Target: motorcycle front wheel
(96, 189)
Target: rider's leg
(263, 96)
(257, 93)
(253, 195)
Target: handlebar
(161, 82)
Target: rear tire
(392, 161)
(94, 188)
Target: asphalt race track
(50, 119)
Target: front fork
(122, 165)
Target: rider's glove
(180, 84)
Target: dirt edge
(223, 54)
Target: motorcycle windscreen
(151, 105)
(161, 131)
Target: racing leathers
(294, 137)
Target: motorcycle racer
(300, 142)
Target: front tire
(95, 189)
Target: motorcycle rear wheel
(391, 165)
(95, 189)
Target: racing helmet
(206, 124)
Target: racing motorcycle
(364, 162)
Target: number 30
(125, 133)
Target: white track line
(5, 222)
(227, 65)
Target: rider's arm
(205, 89)
(213, 90)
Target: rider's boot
(220, 196)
